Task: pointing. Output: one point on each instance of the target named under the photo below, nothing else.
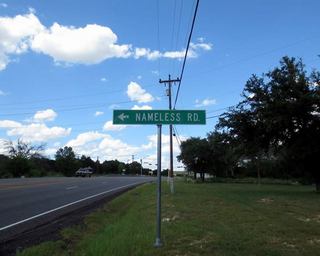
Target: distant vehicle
(84, 172)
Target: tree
(224, 155)
(66, 161)
(195, 155)
(21, 155)
(112, 166)
(133, 168)
(86, 161)
(4, 162)
(279, 119)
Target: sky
(65, 65)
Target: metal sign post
(158, 232)
(158, 117)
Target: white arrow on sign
(122, 116)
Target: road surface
(29, 202)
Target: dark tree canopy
(274, 130)
(66, 162)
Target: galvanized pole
(141, 166)
(158, 235)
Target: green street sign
(159, 117)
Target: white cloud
(3, 150)
(2, 93)
(155, 72)
(139, 77)
(117, 149)
(136, 93)
(152, 145)
(104, 146)
(98, 113)
(192, 53)
(4, 5)
(203, 46)
(16, 35)
(108, 126)
(113, 106)
(165, 139)
(91, 44)
(201, 39)
(84, 138)
(205, 102)
(57, 144)
(67, 45)
(103, 79)
(136, 107)
(38, 132)
(154, 55)
(9, 124)
(44, 115)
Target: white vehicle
(84, 172)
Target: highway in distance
(29, 202)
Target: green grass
(199, 219)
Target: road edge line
(66, 205)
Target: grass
(199, 219)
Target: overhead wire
(66, 97)
(177, 135)
(79, 107)
(186, 53)
(158, 34)
(178, 32)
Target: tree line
(274, 131)
(25, 159)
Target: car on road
(84, 172)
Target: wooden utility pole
(169, 83)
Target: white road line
(66, 205)
(71, 187)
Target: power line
(178, 31)
(186, 53)
(158, 34)
(77, 107)
(66, 98)
(253, 56)
(177, 135)
(209, 117)
(217, 110)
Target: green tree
(21, 153)
(66, 161)
(224, 155)
(279, 119)
(195, 155)
(4, 161)
(86, 161)
(111, 166)
(133, 168)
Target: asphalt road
(28, 202)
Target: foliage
(195, 155)
(66, 161)
(21, 155)
(278, 120)
(276, 126)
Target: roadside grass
(199, 219)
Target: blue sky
(65, 65)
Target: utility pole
(169, 83)
(132, 158)
(141, 166)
